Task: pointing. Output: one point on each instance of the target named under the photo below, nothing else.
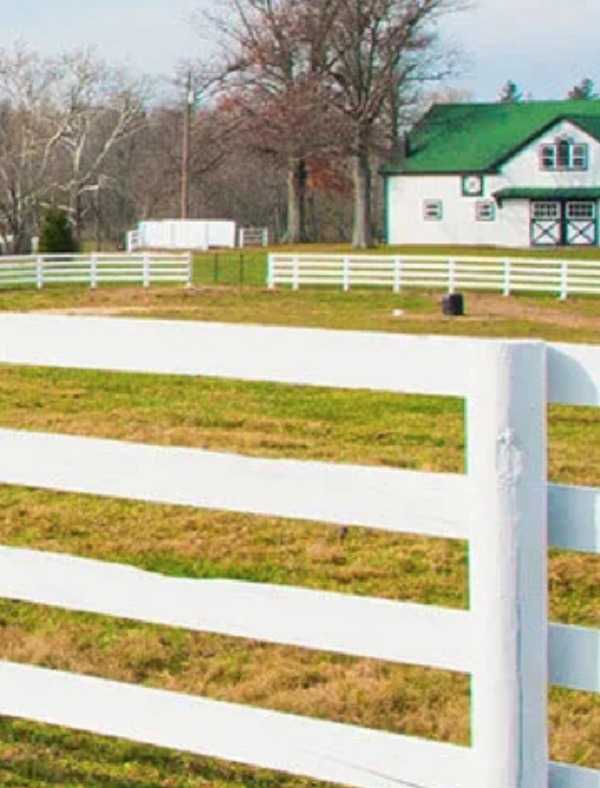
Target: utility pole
(185, 152)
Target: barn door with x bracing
(580, 224)
(546, 223)
(555, 223)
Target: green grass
(71, 759)
(249, 266)
(574, 320)
(280, 421)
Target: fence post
(564, 280)
(190, 270)
(451, 275)
(39, 272)
(506, 287)
(397, 275)
(506, 463)
(346, 274)
(270, 272)
(296, 273)
(146, 270)
(93, 271)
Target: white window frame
(433, 210)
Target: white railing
(503, 506)
(254, 236)
(94, 269)
(504, 274)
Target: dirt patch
(240, 306)
(564, 313)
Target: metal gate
(564, 223)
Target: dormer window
(564, 154)
(579, 157)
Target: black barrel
(453, 305)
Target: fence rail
(503, 506)
(506, 275)
(94, 269)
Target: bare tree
(380, 50)
(318, 74)
(28, 137)
(276, 57)
(97, 108)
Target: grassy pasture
(264, 419)
(249, 266)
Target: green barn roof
(535, 193)
(463, 138)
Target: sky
(544, 46)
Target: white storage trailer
(182, 234)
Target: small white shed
(170, 234)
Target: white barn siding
(407, 223)
(514, 224)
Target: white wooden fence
(503, 506)
(506, 275)
(94, 269)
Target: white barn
(519, 175)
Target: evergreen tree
(510, 93)
(583, 91)
(56, 232)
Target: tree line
(286, 126)
(584, 90)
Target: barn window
(564, 154)
(579, 157)
(581, 210)
(433, 210)
(548, 157)
(485, 211)
(546, 210)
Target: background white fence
(507, 275)
(503, 506)
(94, 269)
(254, 236)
